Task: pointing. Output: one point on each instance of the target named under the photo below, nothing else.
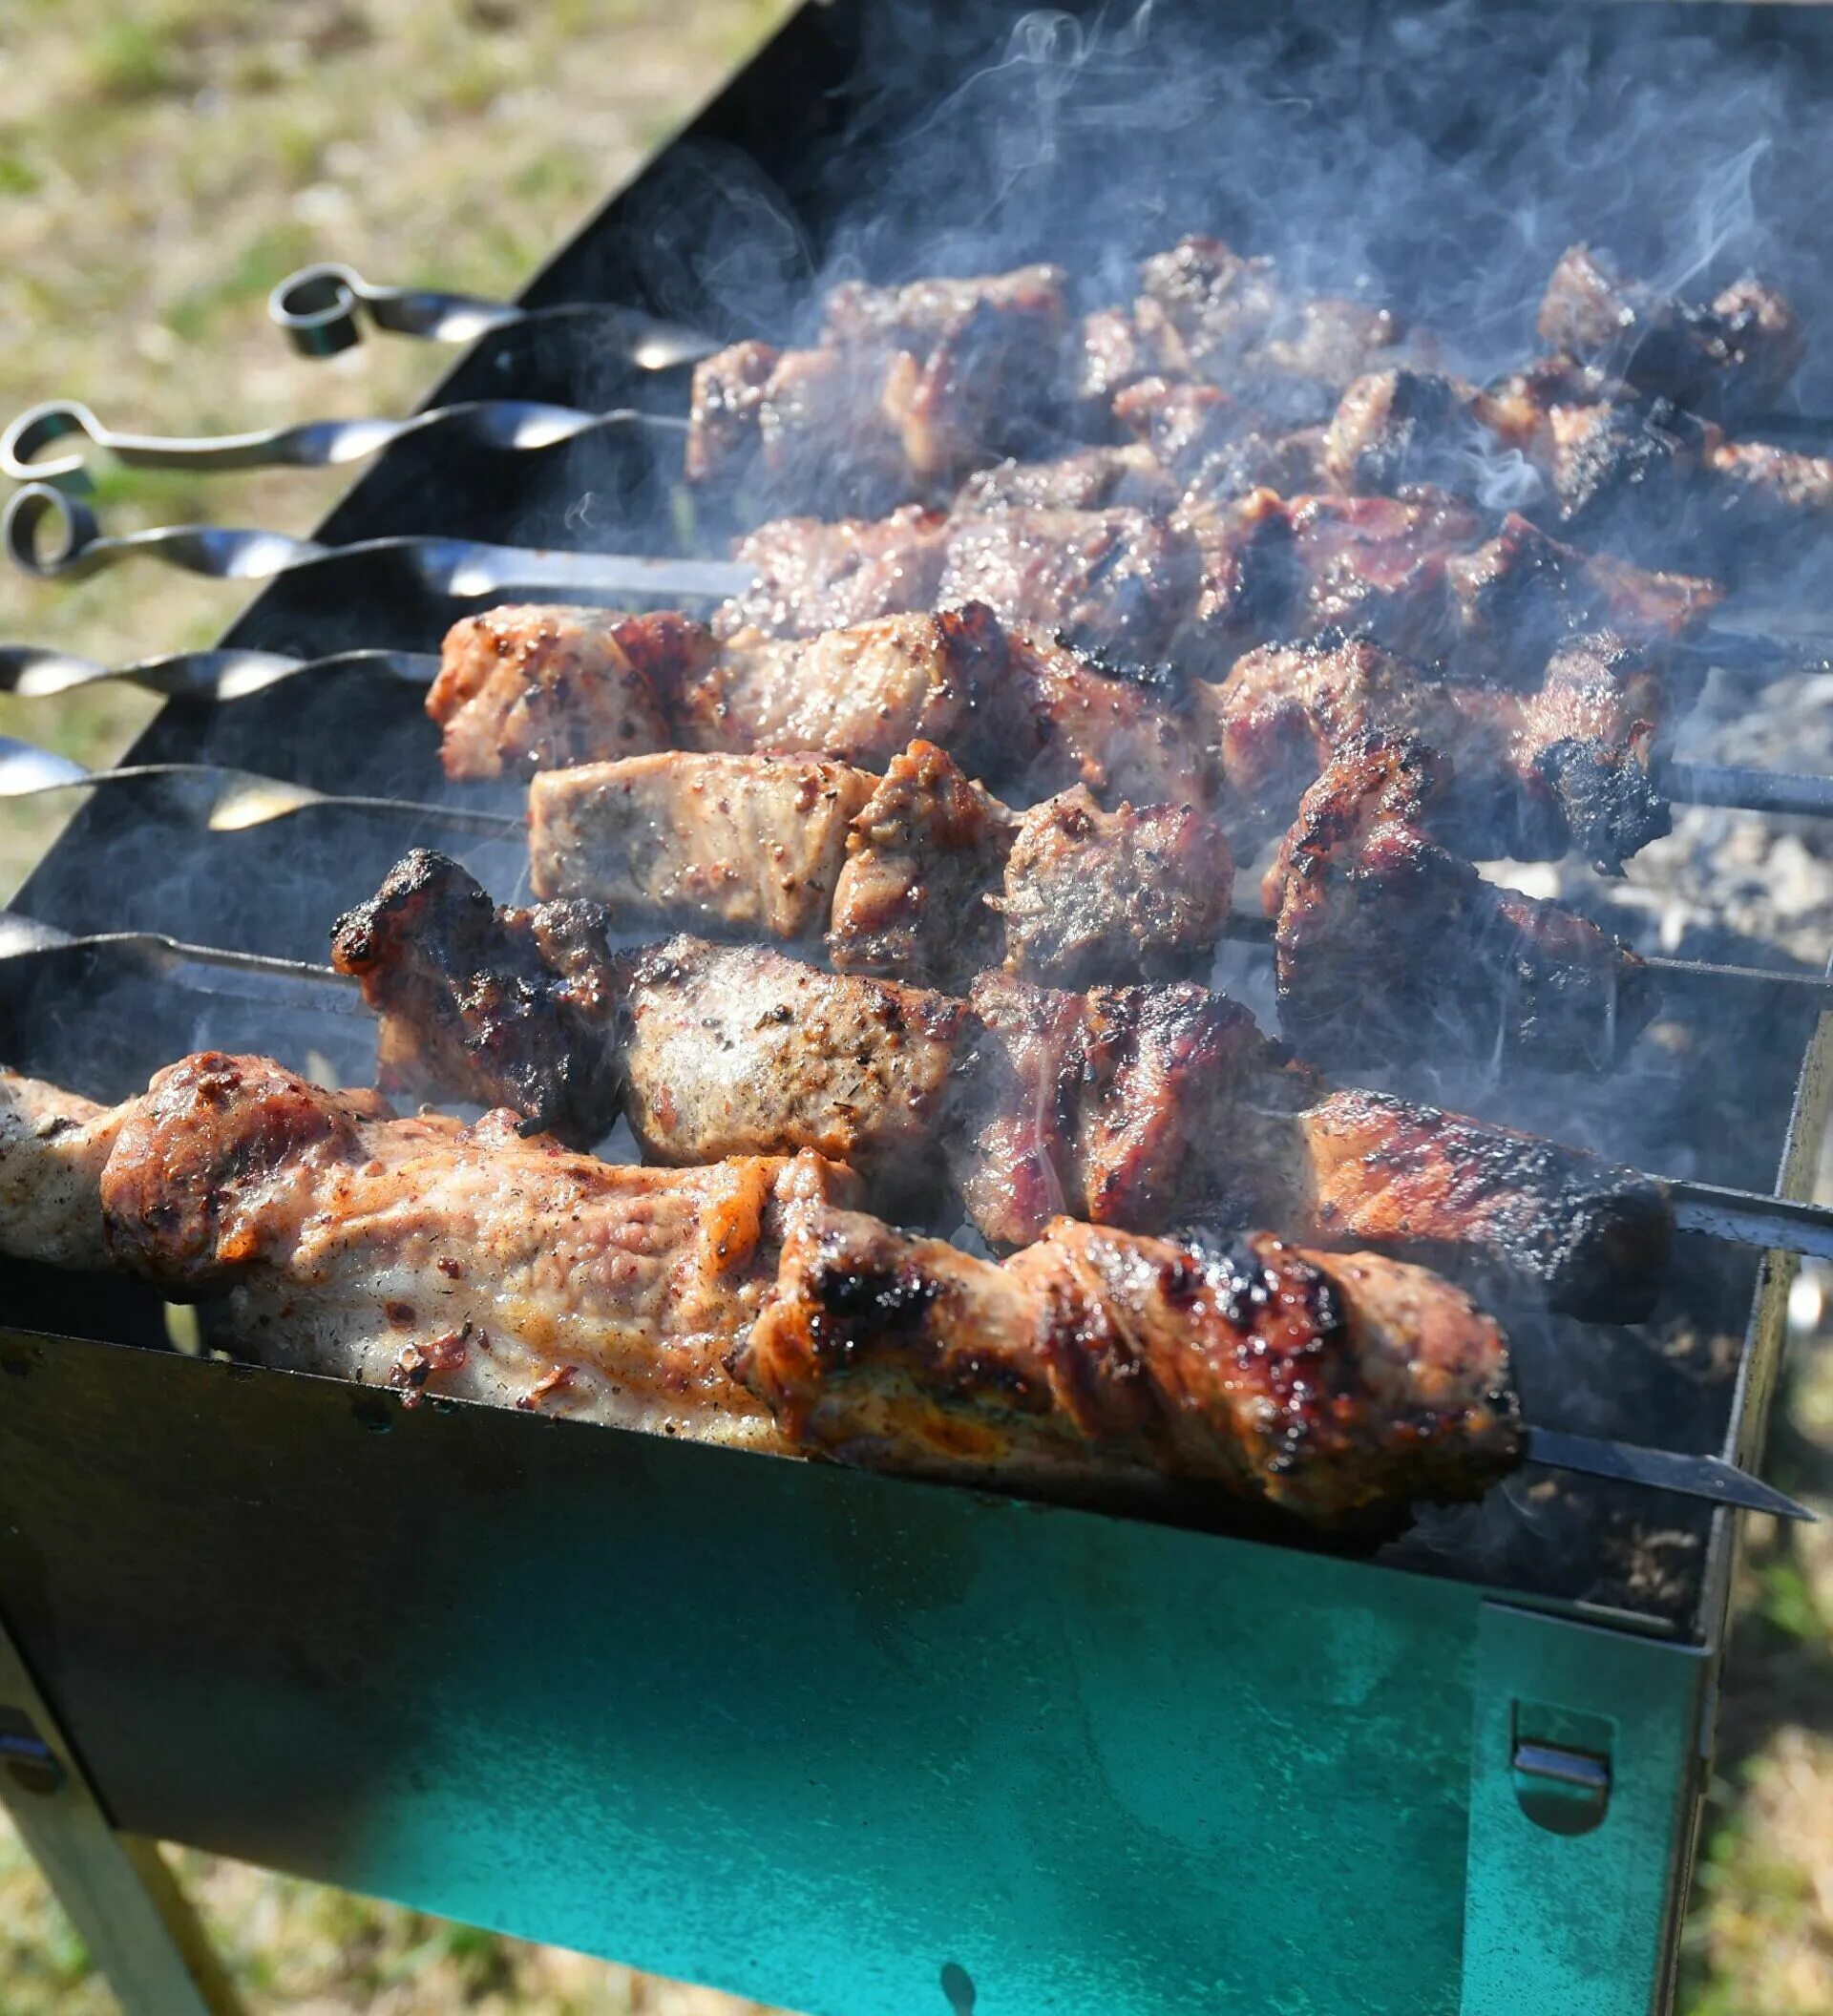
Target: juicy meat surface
(1326, 1385)
(809, 575)
(725, 1046)
(54, 1146)
(1111, 1106)
(434, 1256)
(500, 1008)
(1391, 949)
(529, 687)
(1135, 893)
(923, 853)
(717, 844)
(863, 693)
(1085, 479)
(1736, 352)
(1126, 732)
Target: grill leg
(122, 1899)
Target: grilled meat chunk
(1093, 896)
(429, 1255)
(1123, 732)
(809, 576)
(863, 693)
(1327, 1386)
(54, 1146)
(1391, 949)
(1737, 353)
(909, 390)
(501, 1008)
(1108, 1104)
(1536, 772)
(1401, 426)
(922, 855)
(725, 1046)
(718, 844)
(529, 687)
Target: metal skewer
(508, 424)
(225, 799)
(325, 308)
(56, 538)
(300, 983)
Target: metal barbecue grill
(842, 1742)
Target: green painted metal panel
(1578, 1924)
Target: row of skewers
(1389, 678)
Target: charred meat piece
(746, 844)
(501, 1008)
(1537, 770)
(432, 1256)
(1735, 354)
(1328, 1386)
(923, 853)
(863, 693)
(1214, 447)
(1093, 896)
(1392, 949)
(909, 390)
(529, 687)
(724, 1047)
(1398, 427)
(1109, 1105)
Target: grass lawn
(163, 162)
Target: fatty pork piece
(723, 1047)
(1537, 772)
(530, 686)
(908, 388)
(1149, 1107)
(1391, 949)
(723, 845)
(1141, 893)
(500, 1008)
(923, 855)
(423, 1254)
(1331, 1387)
(1736, 353)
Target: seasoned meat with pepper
(1085, 479)
(422, 1254)
(1329, 1386)
(1135, 893)
(809, 575)
(724, 1047)
(865, 692)
(529, 687)
(724, 845)
(1390, 948)
(924, 853)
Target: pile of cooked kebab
(984, 764)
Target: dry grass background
(163, 162)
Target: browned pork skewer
(473, 1263)
(1139, 1107)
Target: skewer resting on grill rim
(54, 537)
(183, 1201)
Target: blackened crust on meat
(1612, 808)
(1587, 1237)
(1329, 1388)
(508, 1008)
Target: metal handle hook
(77, 546)
(23, 444)
(321, 308)
(39, 508)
